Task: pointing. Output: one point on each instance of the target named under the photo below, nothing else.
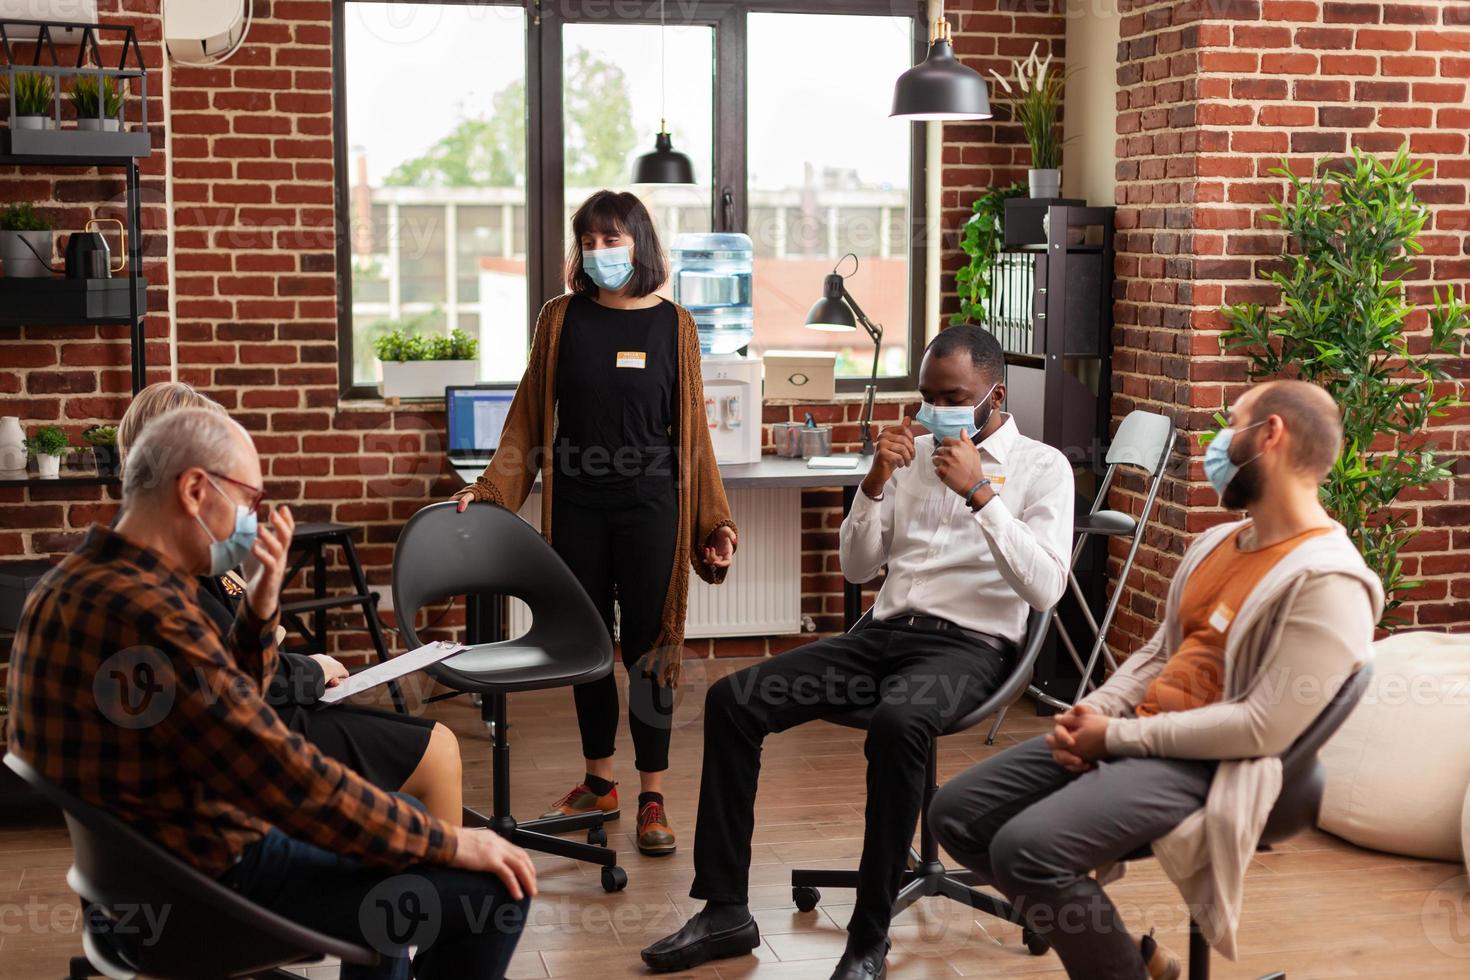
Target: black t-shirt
(615, 382)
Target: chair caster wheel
(805, 897)
(597, 837)
(614, 879)
(1035, 945)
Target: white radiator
(762, 594)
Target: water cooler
(712, 280)
(732, 406)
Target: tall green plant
(1352, 228)
(981, 242)
(1035, 103)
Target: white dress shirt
(977, 569)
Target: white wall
(1089, 159)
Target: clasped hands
(1079, 739)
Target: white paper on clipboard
(404, 663)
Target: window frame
(545, 161)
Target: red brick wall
(1212, 96)
(1201, 114)
(249, 146)
(988, 36)
(76, 377)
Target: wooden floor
(1316, 907)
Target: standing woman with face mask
(610, 412)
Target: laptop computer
(476, 418)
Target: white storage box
(801, 375)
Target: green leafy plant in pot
(1345, 322)
(48, 445)
(103, 440)
(98, 103)
(1035, 101)
(980, 241)
(416, 364)
(26, 243)
(34, 94)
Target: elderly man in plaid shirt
(124, 692)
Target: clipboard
(389, 670)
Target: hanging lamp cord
(663, 72)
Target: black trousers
(620, 545)
(917, 681)
(1036, 831)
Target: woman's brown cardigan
(530, 428)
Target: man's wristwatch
(970, 496)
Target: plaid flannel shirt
(123, 691)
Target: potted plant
(33, 96)
(1035, 107)
(103, 440)
(98, 105)
(1346, 323)
(25, 242)
(981, 243)
(48, 445)
(418, 365)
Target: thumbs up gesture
(894, 451)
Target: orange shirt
(1195, 675)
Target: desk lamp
(838, 312)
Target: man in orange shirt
(1280, 601)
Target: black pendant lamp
(941, 87)
(664, 165)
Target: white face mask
(229, 552)
(946, 421)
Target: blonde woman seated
(396, 753)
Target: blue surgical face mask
(946, 421)
(229, 553)
(1220, 469)
(610, 268)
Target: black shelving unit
(66, 147)
(64, 480)
(1051, 307)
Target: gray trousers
(1035, 831)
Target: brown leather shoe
(1159, 961)
(582, 800)
(655, 836)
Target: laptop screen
(476, 418)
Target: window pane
(829, 174)
(612, 87)
(438, 176)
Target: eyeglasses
(257, 494)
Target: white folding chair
(1144, 441)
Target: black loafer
(696, 943)
(863, 964)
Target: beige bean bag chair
(1398, 770)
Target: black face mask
(1246, 488)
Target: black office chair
(1296, 809)
(210, 932)
(927, 875)
(488, 549)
